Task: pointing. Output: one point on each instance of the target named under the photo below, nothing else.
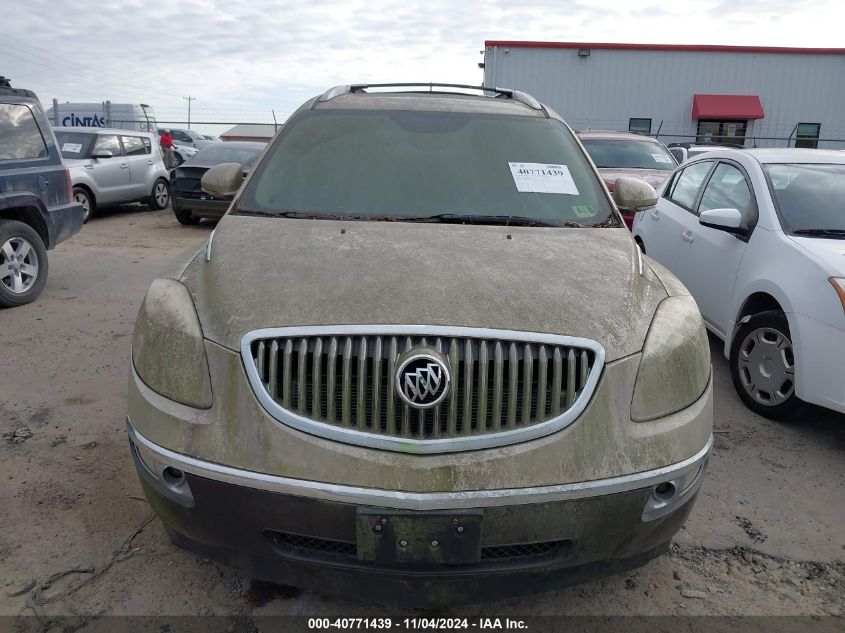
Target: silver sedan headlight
(675, 364)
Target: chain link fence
(754, 141)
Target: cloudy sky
(243, 59)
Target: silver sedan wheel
(767, 366)
(18, 265)
(161, 194)
(82, 199)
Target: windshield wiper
(470, 218)
(317, 215)
(447, 218)
(834, 233)
(260, 214)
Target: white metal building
(751, 95)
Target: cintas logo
(89, 121)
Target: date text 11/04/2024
(416, 624)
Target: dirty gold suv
(421, 361)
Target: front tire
(23, 264)
(84, 198)
(763, 366)
(160, 195)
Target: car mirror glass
(102, 153)
(223, 181)
(633, 194)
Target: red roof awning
(730, 107)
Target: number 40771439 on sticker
(543, 178)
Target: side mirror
(729, 220)
(102, 153)
(632, 194)
(223, 180)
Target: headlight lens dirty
(167, 348)
(675, 363)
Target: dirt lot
(766, 537)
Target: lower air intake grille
(341, 550)
(296, 543)
(523, 550)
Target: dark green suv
(37, 210)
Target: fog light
(665, 491)
(173, 477)
(668, 496)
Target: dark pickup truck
(37, 210)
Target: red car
(619, 154)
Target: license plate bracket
(439, 537)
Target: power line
(45, 58)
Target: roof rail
(516, 95)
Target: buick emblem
(422, 380)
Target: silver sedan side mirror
(223, 180)
(633, 194)
(729, 220)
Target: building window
(721, 132)
(641, 126)
(807, 135)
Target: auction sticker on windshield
(543, 178)
(73, 148)
(661, 158)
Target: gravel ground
(765, 538)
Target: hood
(654, 177)
(830, 251)
(275, 272)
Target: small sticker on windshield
(584, 211)
(543, 178)
(661, 158)
(72, 148)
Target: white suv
(757, 237)
(114, 167)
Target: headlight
(675, 363)
(167, 348)
(838, 284)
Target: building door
(721, 132)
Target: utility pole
(189, 99)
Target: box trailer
(126, 116)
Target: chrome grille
(508, 384)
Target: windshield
(808, 196)
(628, 154)
(74, 144)
(404, 165)
(225, 153)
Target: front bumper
(309, 534)
(820, 348)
